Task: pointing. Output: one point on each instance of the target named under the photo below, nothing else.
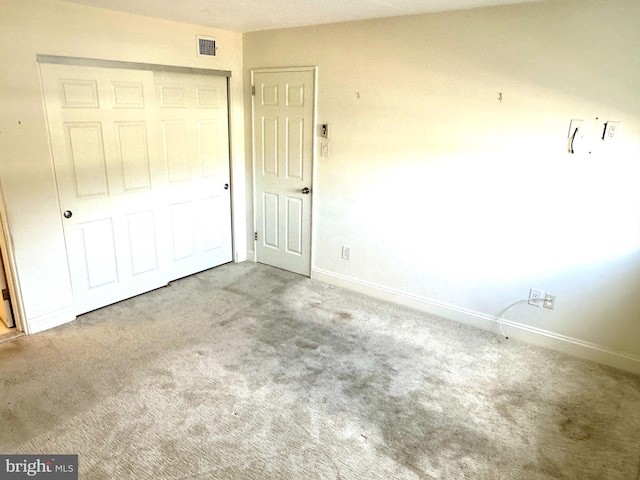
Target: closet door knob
(68, 214)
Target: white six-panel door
(283, 114)
(195, 143)
(104, 150)
(118, 160)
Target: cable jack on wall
(536, 298)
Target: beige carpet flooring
(7, 334)
(250, 372)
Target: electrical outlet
(346, 253)
(549, 301)
(536, 297)
(611, 130)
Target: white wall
(455, 202)
(26, 170)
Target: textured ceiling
(251, 15)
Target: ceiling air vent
(206, 46)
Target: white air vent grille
(206, 46)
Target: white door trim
(8, 258)
(100, 63)
(284, 70)
(254, 255)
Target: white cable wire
(572, 139)
(499, 320)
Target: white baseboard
(49, 320)
(240, 256)
(526, 333)
(251, 256)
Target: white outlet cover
(536, 297)
(611, 131)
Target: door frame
(8, 260)
(314, 141)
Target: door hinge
(5, 294)
(255, 236)
(253, 89)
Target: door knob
(226, 186)
(305, 191)
(67, 214)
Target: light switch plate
(324, 149)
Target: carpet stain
(576, 430)
(306, 345)
(169, 448)
(8, 416)
(415, 437)
(229, 320)
(504, 412)
(198, 430)
(161, 372)
(278, 328)
(579, 420)
(167, 386)
(507, 402)
(11, 382)
(545, 466)
(194, 399)
(360, 376)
